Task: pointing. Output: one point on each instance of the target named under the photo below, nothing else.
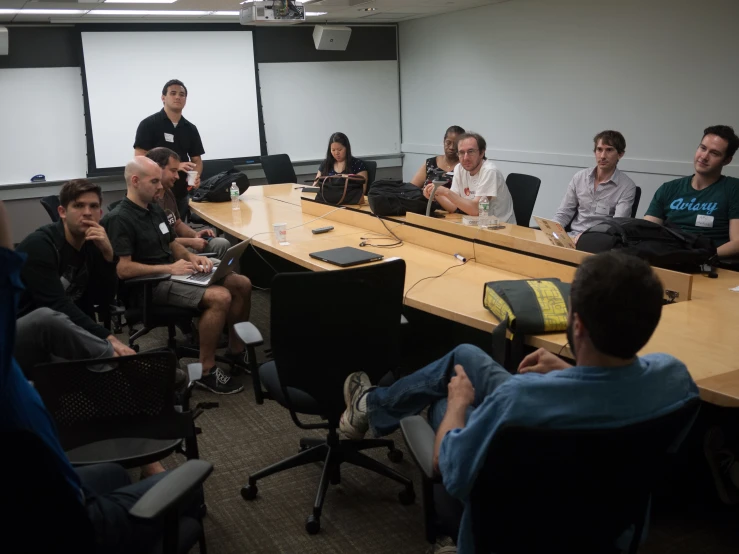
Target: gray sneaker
(355, 423)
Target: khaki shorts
(181, 295)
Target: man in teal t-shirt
(706, 203)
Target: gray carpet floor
(363, 513)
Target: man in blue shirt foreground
(615, 305)
(104, 489)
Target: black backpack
(218, 187)
(663, 246)
(389, 197)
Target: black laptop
(346, 256)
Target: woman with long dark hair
(339, 159)
(446, 161)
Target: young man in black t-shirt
(170, 129)
(70, 265)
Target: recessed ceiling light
(162, 13)
(43, 12)
(313, 14)
(140, 1)
(225, 13)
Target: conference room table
(700, 328)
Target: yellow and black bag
(525, 307)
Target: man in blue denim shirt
(615, 305)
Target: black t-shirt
(143, 234)
(158, 130)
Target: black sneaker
(219, 382)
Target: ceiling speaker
(331, 37)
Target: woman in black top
(339, 159)
(446, 162)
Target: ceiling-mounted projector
(272, 12)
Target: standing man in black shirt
(169, 128)
(71, 267)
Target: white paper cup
(191, 176)
(280, 232)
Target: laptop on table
(227, 265)
(346, 256)
(555, 232)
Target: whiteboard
(304, 103)
(42, 117)
(126, 72)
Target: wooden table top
(700, 332)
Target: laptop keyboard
(200, 277)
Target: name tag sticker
(163, 228)
(168, 137)
(704, 221)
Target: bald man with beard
(144, 240)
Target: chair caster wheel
(395, 456)
(407, 497)
(249, 492)
(312, 525)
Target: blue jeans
(386, 406)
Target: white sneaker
(354, 422)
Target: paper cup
(191, 176)
(280, 232)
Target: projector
(272, 12)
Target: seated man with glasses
(475, 177)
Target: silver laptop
(555, 232)
(228, 264)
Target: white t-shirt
(489, 182)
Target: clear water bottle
(235, 197)
(483, 207)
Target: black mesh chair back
(50, 204)
(635, 206)
(328, 324)
(524, 189)
(582, 488)
(371, 172)
(41, 510)
(278, 169)
(97, 400)
(214, 167)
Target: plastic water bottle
(483, 206)
(235, 197)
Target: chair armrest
(171, 491)
(248, 334)
(420, 438)
(144, 279)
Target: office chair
(42, 513)
(524, 189)
(315, 344)
(635, 206)
(371, 173)
(578, 489)
(50, 204)
(214, 167)
(119, 410)
(278, 169)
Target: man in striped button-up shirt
(599, 192)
